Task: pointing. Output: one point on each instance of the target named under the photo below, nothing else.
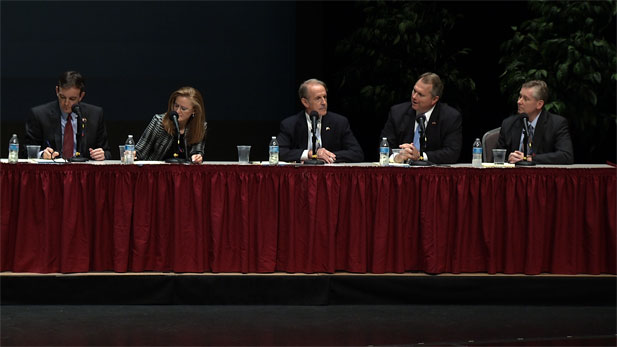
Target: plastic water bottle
(13, 149)
(384, 152)
(274, 151)
(129, 150)
(476, 160)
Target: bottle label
(129, 147)
(274, 149)
(477, 150)
(384, 150)
(13, 147)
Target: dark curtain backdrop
(247, 57)
(240, 55)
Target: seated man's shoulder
(335, 115)
(510, 120)
(445, 108)
(401, 107)
(556, 118)
(291, 119)
(90, 107)
(45, 107)
(337, 118)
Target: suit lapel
(432, 127)
(301, 130)
(57, 126)
(327, 129)
(409, 126)
(516, 132)
(537, 142)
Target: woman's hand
(197, 158)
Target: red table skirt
(234, 218)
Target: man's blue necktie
(416, 135)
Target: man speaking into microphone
(548, 137)
(443, 125)
(55, 125)
(334, 141)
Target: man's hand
(408, 151)
(97, 154)
(49, 153)
(517, 156)
(324, 155)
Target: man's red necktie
(67, 144)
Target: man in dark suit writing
(444, 132)
(54, 125)
(548, 133)
(335, 141)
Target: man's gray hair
(540, 89)
(303, 90)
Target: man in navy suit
(335, 141)
(444, 131)
(47, 123)
(548, 133)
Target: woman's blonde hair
(197, 129)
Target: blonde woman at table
(159, 140)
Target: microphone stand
(422, 149)
(176, 159)
(313, 160)
(81, 124)
(524, 162)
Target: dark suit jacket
(444, 131)
(336, 137)
(551, 138)
(43, 128)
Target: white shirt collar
(427, 114)
(308, 121)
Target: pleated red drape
(234, 218)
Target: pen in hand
(51, 155)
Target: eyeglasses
(184, 109)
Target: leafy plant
(568, 46)
(397, 43)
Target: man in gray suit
(548, 133)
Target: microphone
(76, 109)
(314, 116)
(176, 158)
(174, 118)
(422, 132)
(525, 119)
(313, 160)
(525, 162)
(80, 146)
(421, 123)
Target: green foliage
(567, 45)
(397, 43)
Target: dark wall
(240, 55)
(247, 58)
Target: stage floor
(332, 325)
(342, 309)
